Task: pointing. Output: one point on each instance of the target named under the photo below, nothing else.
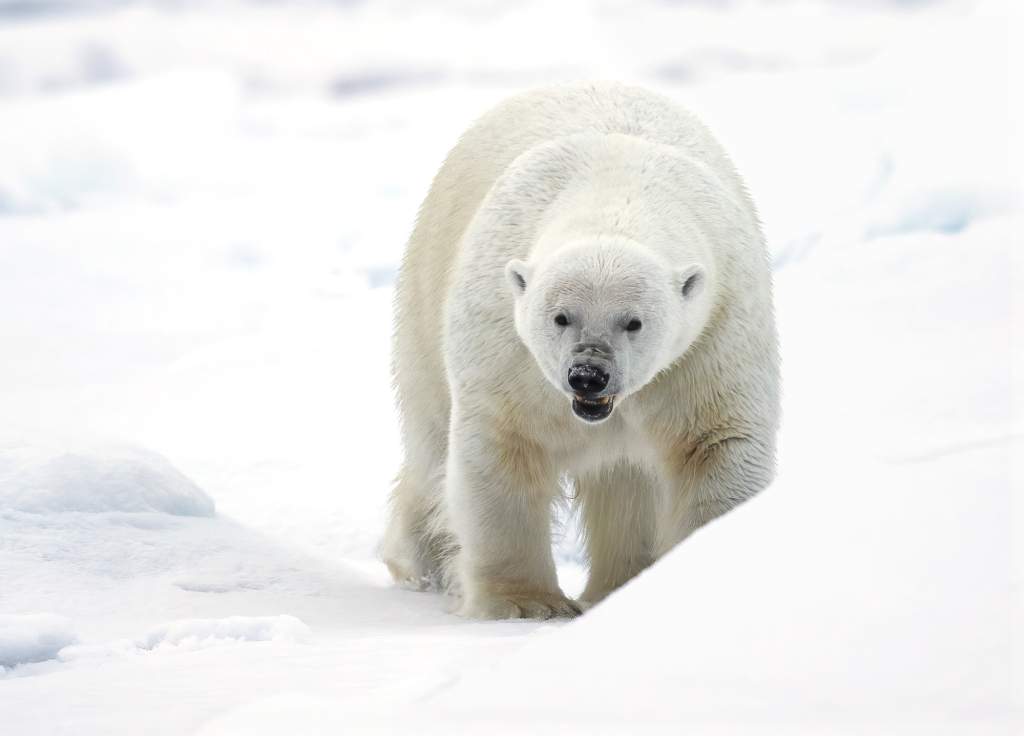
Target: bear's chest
(578, 448)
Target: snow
(34, 638)
(199, 632)
(111, 479)
(202, 209)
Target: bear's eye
(634, 325)
(561, 320)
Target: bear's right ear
(517, 272)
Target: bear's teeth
(594, 402)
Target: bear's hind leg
(619, 526)
(416, 546)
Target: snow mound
(34, 638)
(199, 633)
(126, 479)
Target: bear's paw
(541, 606)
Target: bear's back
(530, 119)
(519, 124)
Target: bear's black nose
(587, 380)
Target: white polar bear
(585, 302)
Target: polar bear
(584, 307)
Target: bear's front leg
(499, 489)
(709, 476)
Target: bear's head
(603, 317)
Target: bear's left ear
(518, 273)
(690, 280)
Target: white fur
(597, 204)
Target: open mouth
(593, 410)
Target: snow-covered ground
(202, 206)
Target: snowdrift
(33, 638)
(127, 480)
